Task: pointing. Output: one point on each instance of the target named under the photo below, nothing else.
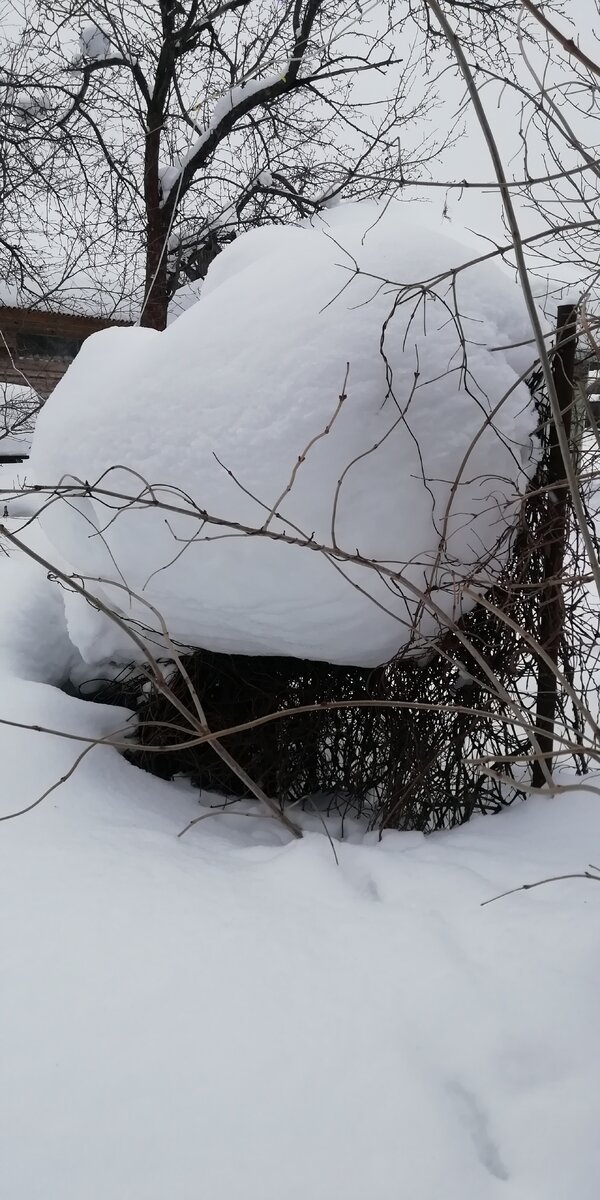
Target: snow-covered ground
(238, 1016)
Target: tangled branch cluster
(424, 741)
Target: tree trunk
(156, 298)
(555, 534)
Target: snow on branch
(235, 98)
(94, 44)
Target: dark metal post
(555, 534)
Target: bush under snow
(224, 403)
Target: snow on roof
(10, 443)
(80, 294)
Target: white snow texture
(239, 1016)
(243, 389)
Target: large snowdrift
(238, 1016)
(243, 390)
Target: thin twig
(527, 887)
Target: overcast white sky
(480, 212)
(473, 215)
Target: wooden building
(37, 346)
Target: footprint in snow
(477, 1123)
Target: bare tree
(161, 128)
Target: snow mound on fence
(235, 409)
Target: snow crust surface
(237, 405)
(233, 1015)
